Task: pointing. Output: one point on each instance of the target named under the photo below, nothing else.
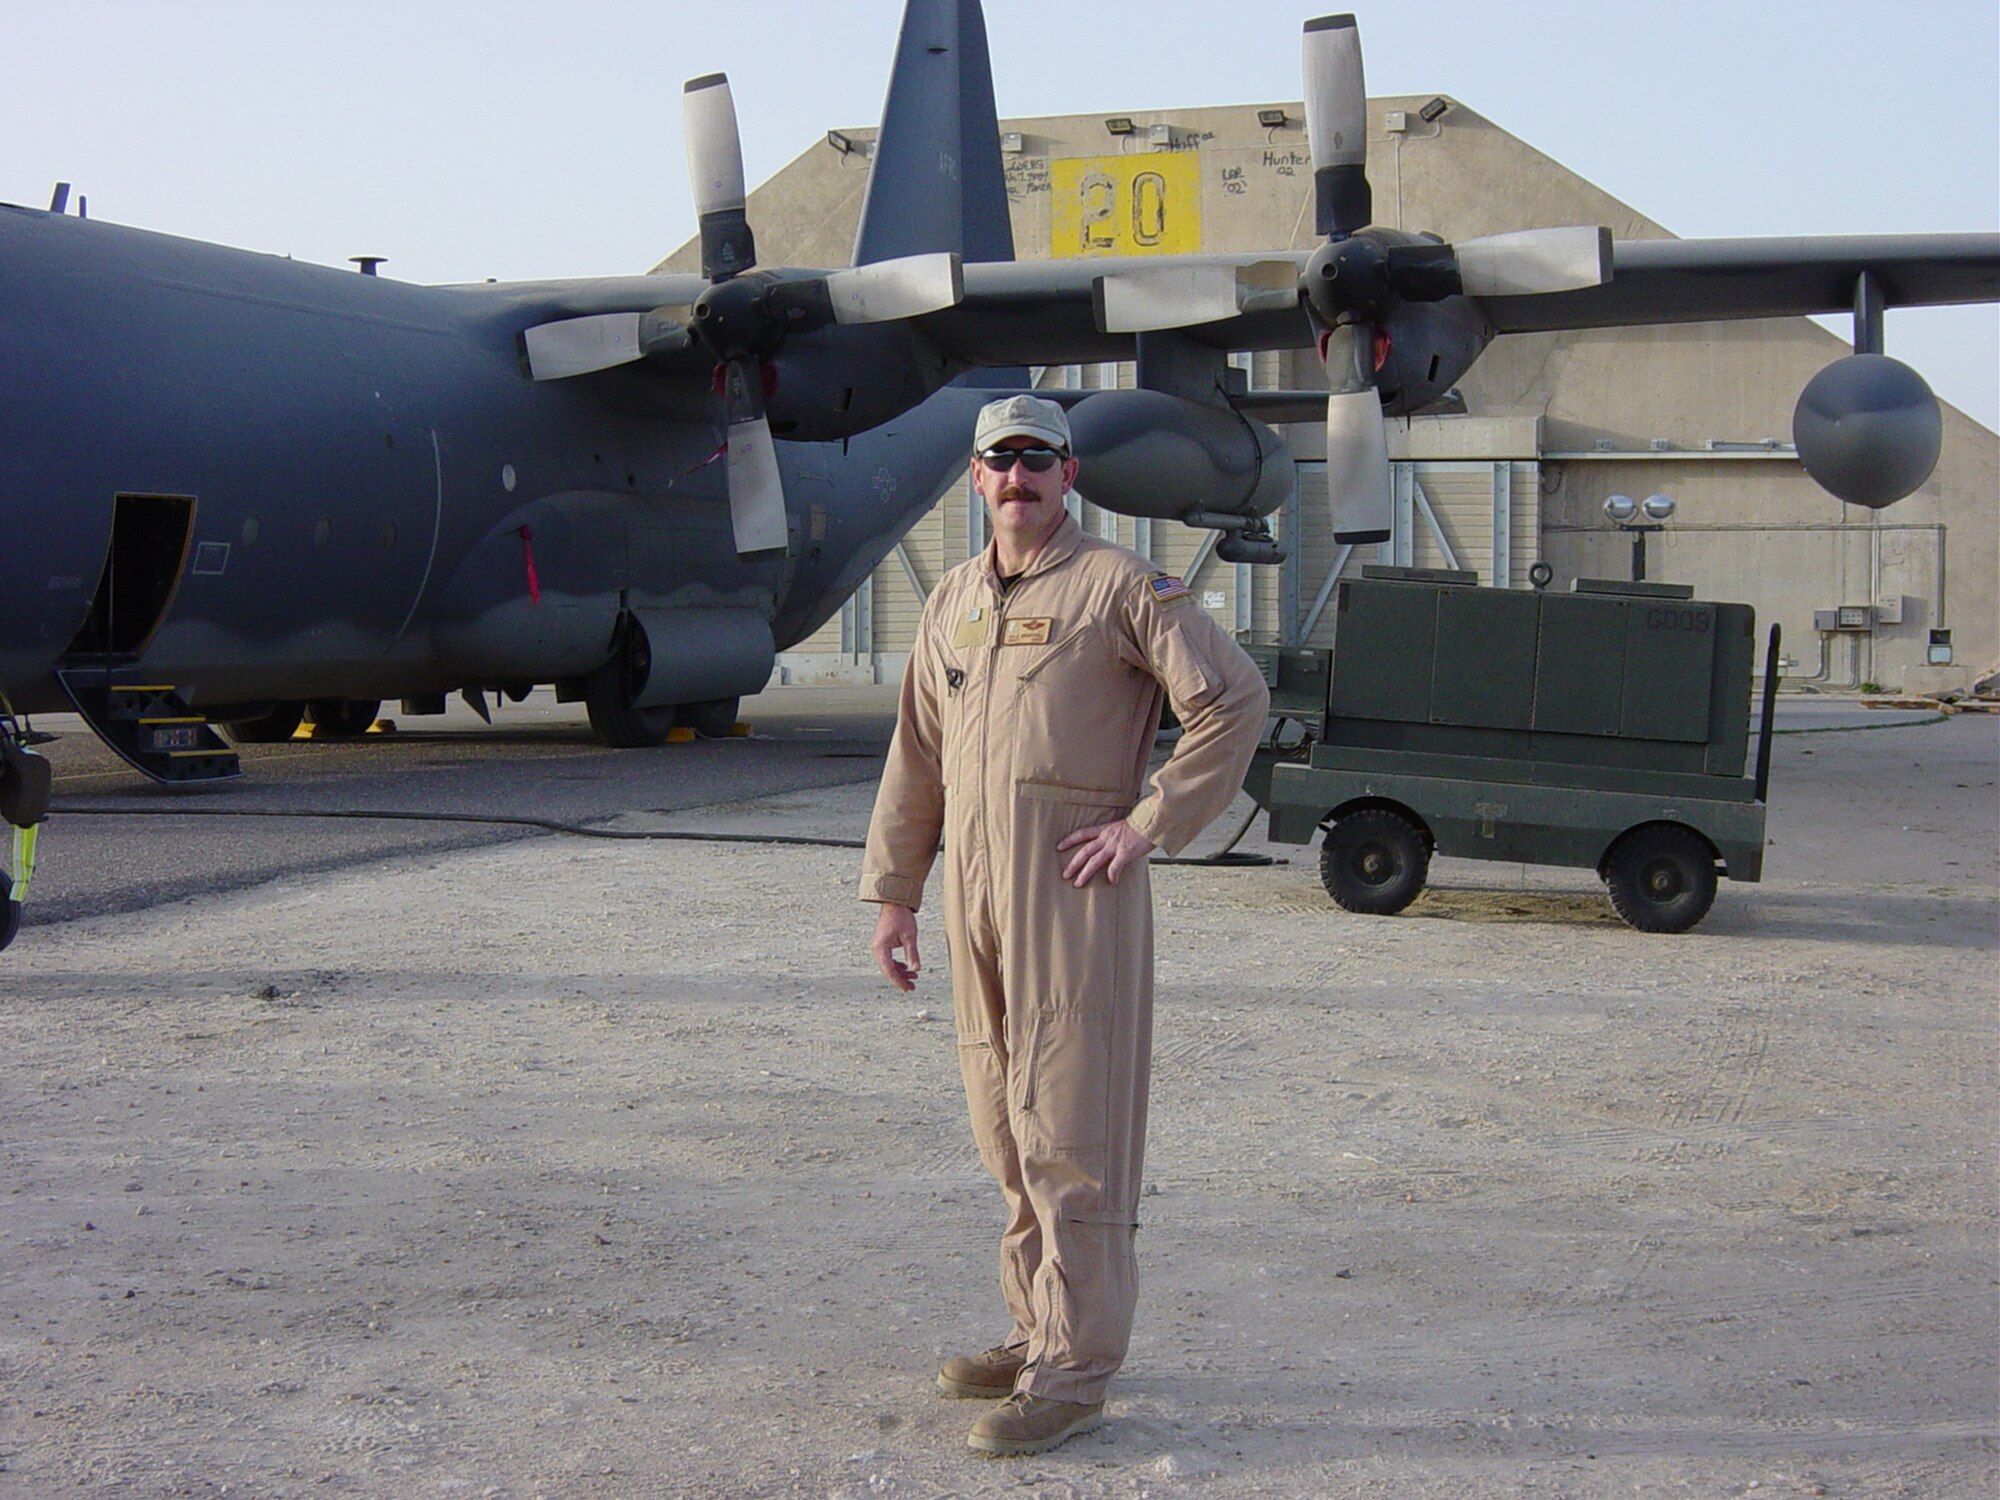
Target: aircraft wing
(1050, 312)
(1694, 281)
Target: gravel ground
(563, 1167)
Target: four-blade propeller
(1352, 281)
(744, 316)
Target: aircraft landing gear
(607, 695)
(712, 720)
(343, 716)
(272, 728)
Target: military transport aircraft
(238, 489)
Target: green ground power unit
(1607, 728)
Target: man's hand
(896, 928)
(1107, 848)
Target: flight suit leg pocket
(1064, 1101)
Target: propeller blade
(756, 490)
(1535, 260)
(602, 341)
(1337, 125)
(1181, 296)
(1167, 297)
(1357, 450)
(577, 346)
(890, 289)
(715, 167)
(1357, 468)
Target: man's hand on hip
(1104, 849)
(895, 928)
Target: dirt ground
(574, 1168)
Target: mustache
(1017, 492)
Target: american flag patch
(1166, 587)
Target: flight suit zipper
(1049, 654)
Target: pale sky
(516, 139)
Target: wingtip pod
(1868, 430)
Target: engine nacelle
(1868, 429)
(1145, 453)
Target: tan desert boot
(985, 1375)
(1027, 1423)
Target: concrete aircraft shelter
(1553, 423)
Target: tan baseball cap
(1021, 416)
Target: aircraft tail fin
(936, 183)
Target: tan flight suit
(1023, 719)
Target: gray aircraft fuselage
(365, 493)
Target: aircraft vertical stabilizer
(936, 183)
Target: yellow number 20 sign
(1126, 205)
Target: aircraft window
(388, 535)
(252, 529)
(322, 532)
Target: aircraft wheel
(10, 910)
(273, 728)
(344, 715)
(1374, 862)
(711, 720)
(607, 695)
(1662, 878)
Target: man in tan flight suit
(1028, 713)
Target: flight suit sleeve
(1218, 694)
(909, 804)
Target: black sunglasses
(1034, 460)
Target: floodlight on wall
(1431, 112)
(1119, 125)
(843, 144)
(1625, 515)
(1270, 119)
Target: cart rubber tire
(10, 910)
(1662, 878)
(1374, 862)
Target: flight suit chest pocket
(1043, 647)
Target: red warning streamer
(528, 557)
